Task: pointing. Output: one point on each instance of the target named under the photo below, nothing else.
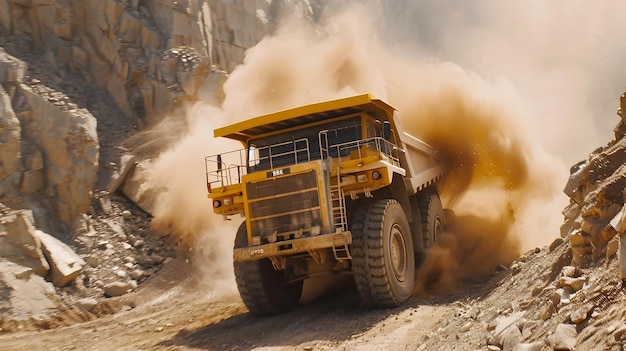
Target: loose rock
(581, 314)
(117, 289)
(564, 337)
(510, 337)
(87, 304)
(65, 264)
(535, 346)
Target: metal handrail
(228, 168)
(272, 157)
(222, 173)
(379, 144)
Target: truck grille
(283, 206)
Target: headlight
(228, 201)
(376, 175)
(361, 178)
(217, 203)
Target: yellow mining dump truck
(331, 187)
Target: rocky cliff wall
(134, 49)
(114, 44)
(595, 220)
(151, 56)
(49, 153)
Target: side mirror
(253, 156)
(386, 130)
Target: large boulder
(35, 251)
(19, 242)
(117, 44)
(65, 264)
(137, 187)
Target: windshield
(301, 145)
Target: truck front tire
(382, 254)
(264, 290)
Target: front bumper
(288, 247)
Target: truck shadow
(329, 320)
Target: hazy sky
(566, 59)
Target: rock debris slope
(570, 295)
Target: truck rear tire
(433, 218)
(382, 254)
(264, 290)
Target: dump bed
(419, 159)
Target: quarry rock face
(126, 47)
(11, 70)
(50, 147)
(150, 56)
(68, 141)
(596, 190)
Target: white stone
(87, 304)
(65, 264)
(564, 337)
(117, 289)
(510, 337)
(19, 241)
(505, 322)
(575, 283)
(535, 346)
(578, 316)
(137, 274)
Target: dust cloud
(182, 208)
(503, 186)
(564, 57)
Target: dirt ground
(172, 313)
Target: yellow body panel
(282, 120)
(294, 169)
(232, 192)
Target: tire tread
(368, 263)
